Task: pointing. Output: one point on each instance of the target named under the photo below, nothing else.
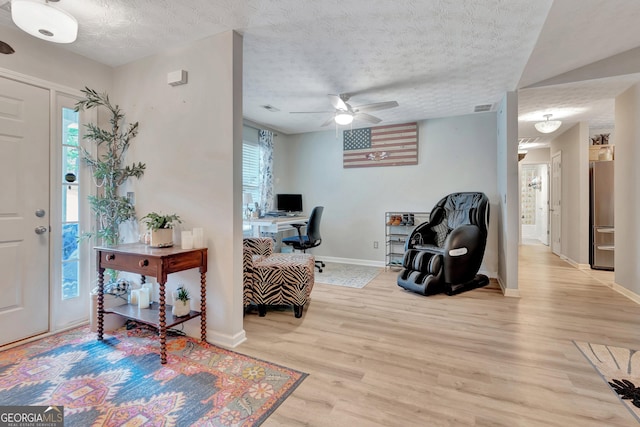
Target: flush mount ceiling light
(344, 118)
(46, 22)
(548, 126)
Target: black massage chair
(444, 254)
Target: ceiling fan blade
(367, 117)
(309, 112)
(328, 122)
(375, 107)
(338, 103)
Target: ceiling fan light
(548, 126)
(44, 21)
(344, 118)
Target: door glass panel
(70, 163)
(69, 242)
(69, 204)
(70, 255)
(70, 273)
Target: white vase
(180, 308)
(162, 238)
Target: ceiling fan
(345, 113)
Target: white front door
(556, 198)
(24, 211)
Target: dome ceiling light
(548, 126)
(44, 21)
(344, 118)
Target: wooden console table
(158, 263)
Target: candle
(133, 299)
(198, 238)
(143, 299)
(187, 240)
(148, 287)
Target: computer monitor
(289, 202)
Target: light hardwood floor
(381, 356)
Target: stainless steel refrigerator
(602, 235)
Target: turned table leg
(203, 306)
(162, 329)
(100, 303)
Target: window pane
(70, 162)
(70, 242)
(69, 127)
(70, 167)
(251, 170)
(69, 203)
(70, 273)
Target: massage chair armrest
(421, 235)
(464, 249)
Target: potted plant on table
(161, 228)
(181, 306)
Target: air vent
(6, 6)
(270, 108)
(528, 140)
(483, 108)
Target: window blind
(251, 170)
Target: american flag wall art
(392, 145)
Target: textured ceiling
(436, 58)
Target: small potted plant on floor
(161, 228)
(181, 306)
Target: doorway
(534, 199)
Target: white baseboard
(224, 340)
(626, 292)
(372, 263)
(507, 292)
(574, 263)
(367, 262)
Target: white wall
(455, 154)
(190, 138)
(574, 144)
(508, 194)
(50, 62)
(539, 155)
(627, 189)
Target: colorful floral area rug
(620, 368)
(121, 382)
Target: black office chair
(312, 238)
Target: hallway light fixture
(548, 126)
(344, 118)
(44, 21)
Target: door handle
(41, 229)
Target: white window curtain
(265, 142)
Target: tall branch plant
(109, 173)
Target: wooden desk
(273, 224)
(158, 263)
